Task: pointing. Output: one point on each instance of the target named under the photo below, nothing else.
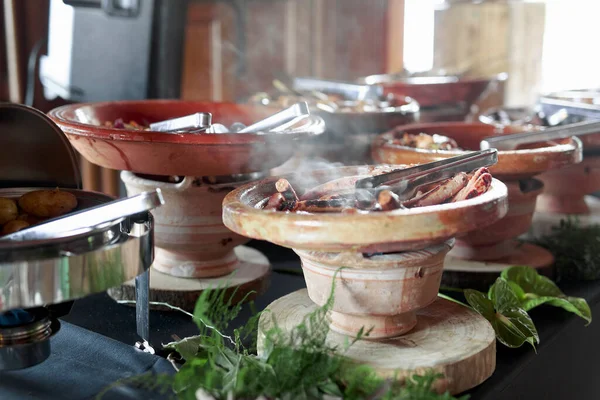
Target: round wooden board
(252, 276)
(448, 338)
(543, 222)
(481, 275)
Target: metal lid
(34, 151)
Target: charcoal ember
(278, 202)
(365, 200)
(388, 200)
(316, 206)
(286, 189)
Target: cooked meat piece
(440, 194)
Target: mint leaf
(535, 289)
(512, 324)
(187, 347)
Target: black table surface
(564, 367)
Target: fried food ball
(47, 203)
(30, 219)
(14, 226)
(8, 210)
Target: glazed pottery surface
(515, 168)
(565, 189)
(513, 164)
(380, 292)
(191, 240)
(438, 90)
(159, 153)
(384, 266)
(398, 230)
(521, 116)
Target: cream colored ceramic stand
(252, 275)
(448, 338)
(543, 222)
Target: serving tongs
(202, 122)
(194, 123)
(280, 121)
(406, 182)
(89, 219)
(351, 91)
(513, 141)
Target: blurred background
(88, 50)
(60, 51)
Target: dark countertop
(564, 367)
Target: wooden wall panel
(490, 38)
(335, 39)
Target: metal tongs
(202, 122)
(280, 121)
(194, 123)
(351, 91)
(89, 219)
(512, 142)
(406, 182)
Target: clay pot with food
(565, 189)
(194, 170)
(383, 256)
(422, 143)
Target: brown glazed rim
(340, 231)
(519, 162)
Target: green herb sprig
(294, 365)
(518, 290)
(576, 249)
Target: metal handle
(280, 121)
(511, 142)
(349, 90)
(434, 171)
(189, 123)
(91, 218)
(114, 8)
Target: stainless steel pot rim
(67, 237)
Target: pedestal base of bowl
(252, 275)
(380, 293)
(543, 221)
(480, 275)
(448, 338)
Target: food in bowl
(328, 102)
(132, 125)
(340, 196)
(426, 141)
(34, 207)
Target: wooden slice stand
(448, 338)
(480, 275)
(251, 276)
(543, 222)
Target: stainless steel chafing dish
(39, 278)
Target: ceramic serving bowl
(160, 153)
(392, 261)
(432, 91)
(348, 135)
(515, 168)
(191, 240)
(564, 188)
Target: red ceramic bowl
(514, 164)
(159, 153)
(435, 91)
